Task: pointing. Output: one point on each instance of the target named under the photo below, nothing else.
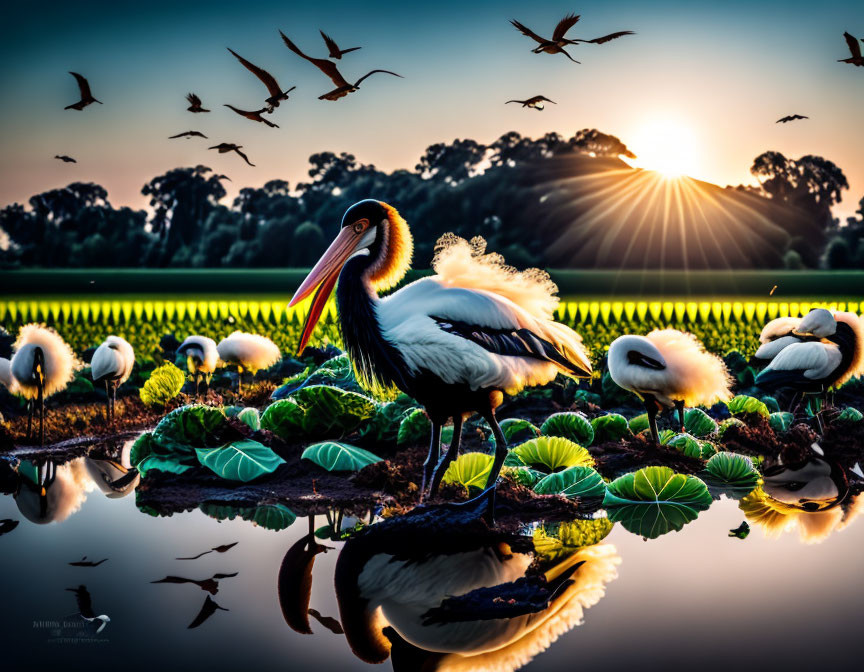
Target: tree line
(494, 190)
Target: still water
(690, 599)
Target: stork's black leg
(107, 403)
(679, 406)
(113, 402)
(651, 410)
(197, 382)
(449, 456)
(41, 415)
(500, 454)
(794, 403)
(30, 406)
(432, 457)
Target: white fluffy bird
(202, 358)
(822, 350)
(455, 341)
(6, 377)
(42, 365)
(249, 352)
(112, 365)
(668, 368)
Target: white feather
(406, 319)
(770, 349)
(203, 352)
(60, 361)
(814, 360)
(6, 377)
(690, 374)
(251, 351)
(778, 327)
(113, 360)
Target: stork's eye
(361, 225)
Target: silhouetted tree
(452, 162)
(594, 142)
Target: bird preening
(112, 365)
(534, 102)
(456, 341)
(559, 40)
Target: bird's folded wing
(814, 360)
(771, 349)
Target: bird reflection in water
(439, 589)
(813, 494)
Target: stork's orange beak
(324, 276)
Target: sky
(697, 90)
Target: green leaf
(666, 436)
(771, 404)
(470, 470)
(517, 429)
(187, 428)
(163, 385)
(610, 427)
(850, 415)
(250, 417)
(569, 425)
(270, 516)
(582, 482)
(732, 473)
(335, 456)
(243, 460)
(414, 428)
(780, 421)
(698, 423)
(554, 542)
(160, 463)
(639, 424)
(744, 404)
(655, 500)
(318, 411)
(742, 531)
(708, 449)
(141, 449)
(552, 453)
(522, 475)
(384, 425)
(684, 443)
(284, 418)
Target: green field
(142, 306)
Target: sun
(667, 146)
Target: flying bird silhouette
(854, 49)
(64, 158)
(791, 117)
(277, 95)
(85, 607)
(194, 103)
(534, 102)
(207, 610)
(254, 115)
(84, 562)
(224, 147)
(218, 549)
(221, 177)
(7, 525)
(333, 48)
(210, 585)
(86, 96)
(343, 87)
(188, 134)
(556, 44)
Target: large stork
(456, 342)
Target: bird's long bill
(323, 277)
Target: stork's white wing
(411, 317)
(814, 359)
(771, 348)
(106, 362)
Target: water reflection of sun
(666, 146)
